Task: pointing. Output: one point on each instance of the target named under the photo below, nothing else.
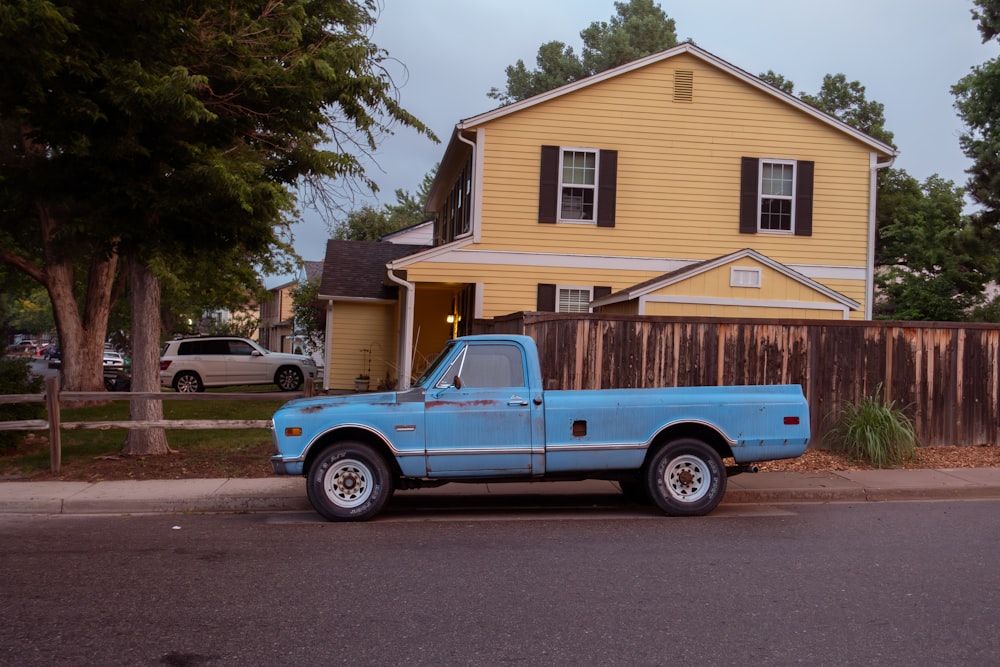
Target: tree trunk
(144, 290)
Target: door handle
(518, 401)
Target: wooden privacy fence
(945, 375)
(53, 398)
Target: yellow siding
(678, 170)
(677, 190)
(356, 327)
(774, 286)
(702, 310)
(515, 288)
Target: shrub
(16, 378)
(874, 431)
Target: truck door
(478, 417)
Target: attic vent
(683, 85)
(744, 277)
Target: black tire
(288, 378)
(635, 491)
(686, 478)
(188, 382)
(349, 481)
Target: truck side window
(493, 366)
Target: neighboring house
(277, 312)
(421, 233)
(677, 184)
(363, 318)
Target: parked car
(192, 364)
(51, 352)
(113, 360)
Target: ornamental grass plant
(874, 431)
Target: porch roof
(357, 269)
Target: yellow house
(677, 184)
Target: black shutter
(748, 195)
(548, 185)
(601, 291)
(607, 186)
(804, 197)
(546, 298)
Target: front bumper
(281, 466)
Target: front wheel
(686, 478)
(349, 481)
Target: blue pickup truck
(479, 414)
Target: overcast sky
(907, 54)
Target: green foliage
(16, 378)
(177, 135)
(778, 81)
(977, 98)
(933, 264)
(309, 314)
(32, 313)
(85, 444)
(874, 431)
(638, 28)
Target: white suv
(191, 364)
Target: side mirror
(456, 382)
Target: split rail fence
(54, 399)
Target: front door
(478, 418)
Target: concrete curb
(277, 494)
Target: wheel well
(188, 371)
(355, 435)
(700, 431)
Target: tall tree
(932, 265)
(846, 100)
(638, 28)
(977, 98)
(162, 132)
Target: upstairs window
(776, 196)
(577, 185)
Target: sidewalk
(289, 494)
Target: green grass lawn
(83, 446)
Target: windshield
(435, 365)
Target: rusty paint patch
(480, 403)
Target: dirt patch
(974, 456)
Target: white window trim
(746, 270)
(588, 289)
(597, 179)
(760, 193)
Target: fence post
(55, 434)
(310, 388)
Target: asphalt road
(840, 584)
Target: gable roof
(701, 54)
(356, 269)
(680, 275)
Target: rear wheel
(686, 478)
(288, 378)
(188, 382)
(349, 481)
